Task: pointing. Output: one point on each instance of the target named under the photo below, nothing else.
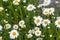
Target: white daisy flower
(29, 35)
(1, 38)
(51, 10)
(30, 7)
(14, 34)
(5, 21)
(50, 35)
(37, 33)
(58, 18)
(48, 27)
(48, 11)
(43, 35)
(46, 2)
(16, 2)
(7, 26)
(39, 39)
(56, 2)
(15, 26)
(38, 20)
(21, 23)
(37, 28)
(24, 6)
(57, 23)
(7, 14)
(24, 26)
(19, 29)
(45, 22)
(1, 9)
(40, 5)
(24, 1)
(45, 11)
(5, 0)
(1, 27)
(31, 31)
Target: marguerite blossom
(45, 22)
(24, 26)
(24, 1)
(5, 0)
(31, 7)
(16, 2)
(46, 2)
(50, 35)
(1, 9)
(21, 23)
(46, 11)
(57, 23)
(43, 35)
(38, 33)
(15, 26)
(29, 35)
(31, 31)
(58, 18)
(1, 27)
(40, 5)
(7, 26)
(1, 38)
(39, 39)
(5, 21)
(37, 28)
(38, 20)
(56, 2)
(51, 10)
(14, 34)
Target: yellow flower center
(50, 10)
(15, 26)
(16, 0)
(14, 33)
(46, 22)
(21, 22)
(59, 19)
(38, 20)
(0, 38)
(30, 6)
(36, 28)
(46, 2)
(39, 39)
(59, 22)
(46, 12)
(37, 32)
(31, 31)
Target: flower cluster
(29, 19)
(36, 31)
